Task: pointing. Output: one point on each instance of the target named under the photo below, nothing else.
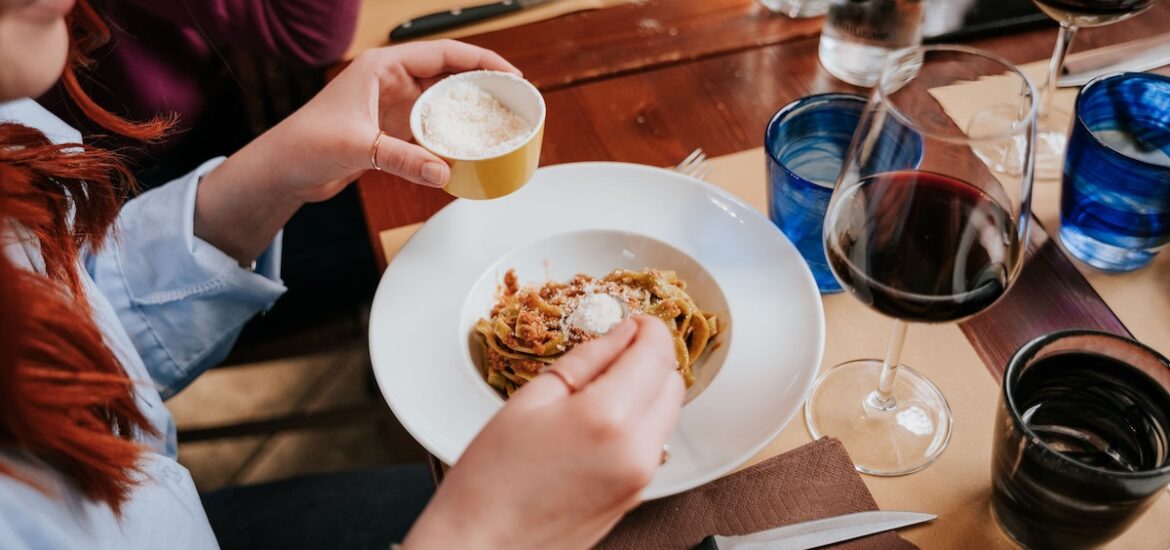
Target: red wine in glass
(921, 246)
(933, 242)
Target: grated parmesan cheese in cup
(463, 120)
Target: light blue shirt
(169, 305)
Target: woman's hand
(318, 150)
(556, 469)
(376, 93)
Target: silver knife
(821, 532)
(1135, 56)
(458, 17)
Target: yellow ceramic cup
(500, 173)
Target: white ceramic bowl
(594, 217)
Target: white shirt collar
(29, 113)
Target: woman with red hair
(106, 309)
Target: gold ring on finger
(568, 380)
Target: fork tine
(686, 162)
(695, 165)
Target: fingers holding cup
(408, 161)
(494, 152)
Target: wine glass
(934, 243)
(1052, 134)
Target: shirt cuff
(185, 300)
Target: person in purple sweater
(170, 57)
(95, 332)
(229, 69)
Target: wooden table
(649, 82)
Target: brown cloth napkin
(811, 482)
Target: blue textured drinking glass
(806, 143)
(1115, 207)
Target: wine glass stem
(883, 398)
(1064, 41)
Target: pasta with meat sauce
(530, 327)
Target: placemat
(378, 17)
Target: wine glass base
(900, 440)
(1050, 144)
(1006, 155)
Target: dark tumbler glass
(1082, 440)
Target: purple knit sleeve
(313, 32)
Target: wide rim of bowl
(805, 290)
(429, 93)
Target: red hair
(63, 395)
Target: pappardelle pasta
(530, 327)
